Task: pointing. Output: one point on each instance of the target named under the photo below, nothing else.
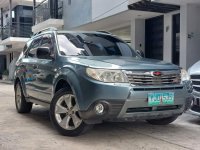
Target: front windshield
(92, 44)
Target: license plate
(155, 99)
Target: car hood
(113, 62)
(195, 69)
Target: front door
(154, 38)
(2, 64)
(46, 71)
(176, 40)
(30, 63)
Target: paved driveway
(34, 131)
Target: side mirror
(43, 53)
(140, 52)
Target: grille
(149, 109)
(147, 78)
(196, 82)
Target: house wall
(190, 35)
(138, 34)
(105, 8)
(76, 13)
(168, 36)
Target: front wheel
(162, 121)
(65, 116)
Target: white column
(138, 34)
(190, 35)
(183, 36)
(167, 51)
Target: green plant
(6, 73)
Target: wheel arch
(18, 79)
(71, 83)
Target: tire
(162, 121)
(21, 104)
(64, 114)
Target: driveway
(34, 131)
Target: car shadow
(109, 130)
(40, 115)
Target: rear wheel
(162, 121)
(65, 116)
(21, 104)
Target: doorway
(154, 37)
(176, 40)
(2, 64)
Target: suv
(194, 72)
(89, 77)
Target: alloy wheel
(66, 112)
(18, 96)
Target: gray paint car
(89, 77)
(194, 72)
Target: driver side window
(35, 44)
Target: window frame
(31, 47)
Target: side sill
(39, 102)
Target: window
(70, 45)
(35, 44)
(46, 41)
(93, 44)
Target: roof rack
(105, 32)
(46, 29)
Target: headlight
(184, 75)
(109, 76)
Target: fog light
(99, 109)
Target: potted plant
(5, 75)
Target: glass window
(93, 44)
(35, 44)
(46, 41)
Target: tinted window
(93, 44)
(35, 44)
(46, 41)
(70, 45)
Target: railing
(45, 10)
(16, 30)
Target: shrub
(6, 73)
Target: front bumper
(195, 106)
(135, 106)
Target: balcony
(48, 13)
(16, 30)
(16, 35)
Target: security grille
(196, 82)
(147, 78)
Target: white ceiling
(124, 19)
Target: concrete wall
(81, 12)
(105, 8)
(190, 35)
(77, 13)
(168, 29)
(138, 34)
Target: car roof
(65, 31)
(84, 32)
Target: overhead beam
(146, 5)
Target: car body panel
(40, 78)
(195, 71)
(113, 62)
